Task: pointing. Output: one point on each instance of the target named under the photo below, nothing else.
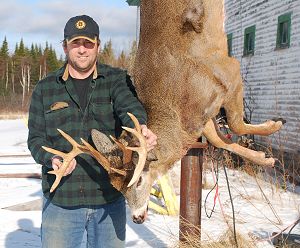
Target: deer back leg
(217, 139)
(235, 113)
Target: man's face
(81, 54)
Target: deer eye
(139, 182)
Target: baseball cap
(82, 26)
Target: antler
(88, 149)
(141, 150)
(67, 158)
(76, 150)
(127, 154)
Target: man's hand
(151, 138)
(57, 162)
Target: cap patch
(80, 24)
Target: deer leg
(217, 139)
(235, 112)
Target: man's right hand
(57, 163)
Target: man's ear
(98, 42)
(64, 46)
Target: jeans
(64, 227)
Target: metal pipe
(190, 193)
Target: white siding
(272, 77)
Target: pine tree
(4, 52)
(16, 49)
(132, 55)
(33, 51)
(122, 60)
(4, 65)
(51, 59)
(21, 51)
(107, 55)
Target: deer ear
(151, 156)
(101, 141)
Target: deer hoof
(279, 119)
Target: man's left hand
(151, 138)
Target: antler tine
(141, 150)
(101, 159)
(53, 151)
(67, 158)
(127, 154)
(135, 122)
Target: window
(283, 31)
(249, 40)
(229, 44)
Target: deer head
(126, 163)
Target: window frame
(229, 44)
(248, 34)
(285, 18)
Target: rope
(233, 214)
(216, 194)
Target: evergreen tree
(122, 60)
(40, 50)
(132, 55)
(4, 68)
(16, 49)
(21, 51)
(52, 62)
(33, 52)
(35, 59)
(107, 55)
(4, 52)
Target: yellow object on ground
(166, 192)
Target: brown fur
(183, 76)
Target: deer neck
(162, 25)
(173, 139)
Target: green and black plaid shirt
(109, 99)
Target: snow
(258, 213)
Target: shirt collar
(65, 75)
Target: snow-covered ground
(258, 213)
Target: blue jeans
(64, 227)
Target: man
(77, 98)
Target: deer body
(183, 76)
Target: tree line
(22, 68)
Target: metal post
(190, 192)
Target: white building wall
(272, 76)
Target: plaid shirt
(109, 100)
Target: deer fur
(183, 76)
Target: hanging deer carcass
(183, 77)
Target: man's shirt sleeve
(125, 100)
(37, 132)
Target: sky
(38, 21)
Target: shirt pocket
(104, 115)
(61, 118)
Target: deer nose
(138, 219)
